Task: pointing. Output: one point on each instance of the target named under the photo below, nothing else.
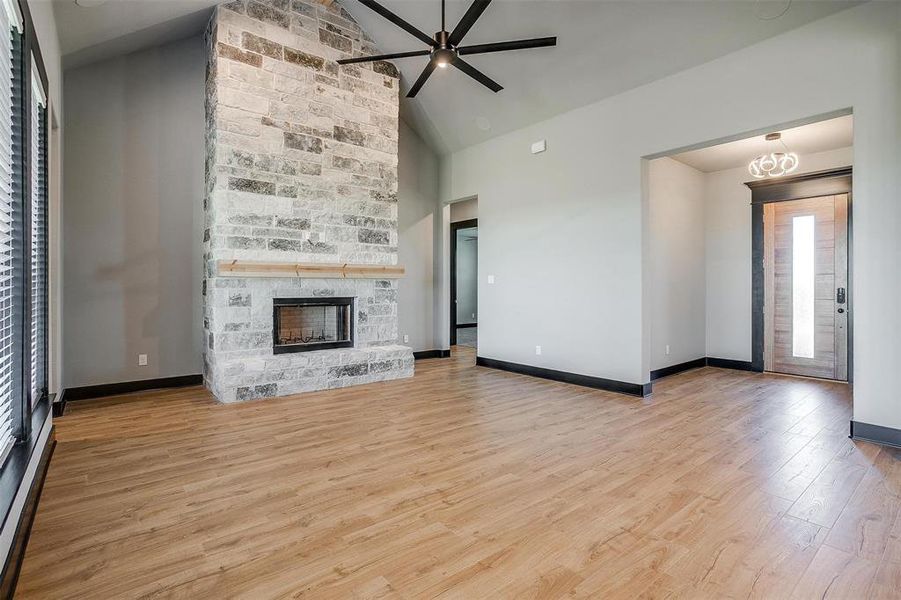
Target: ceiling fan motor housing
(443, 56)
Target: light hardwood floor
(470, 483)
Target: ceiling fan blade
(472, 14)
(398, 21)
(477, 75)
(422, 79)
(504, 46)
(362, 59)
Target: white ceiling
(604, 48)
(88, 34)
(806, 139)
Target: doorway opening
(728, 291)
(464, 274)
(801, 274)
(464, 283)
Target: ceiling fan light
(445, 48)
(443, 57)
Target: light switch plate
(142, 360)
(491, 279)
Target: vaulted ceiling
(604, 47)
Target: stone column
(301, 167)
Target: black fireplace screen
(303, 324)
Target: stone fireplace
(301, 169)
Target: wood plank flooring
(466, 482)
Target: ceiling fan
(444, 49)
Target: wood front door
(806, 287)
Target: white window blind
(8, 21)
(38, 238)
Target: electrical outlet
(538, 350)
(667, 349)
(142, 360)
(406, 339)
(473, 315)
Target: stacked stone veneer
(301, 167)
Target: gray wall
(134, 153)
(676, 228)
(567, 229)
(417, 222)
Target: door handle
(840, 295)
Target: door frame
(453, 273)
(764, 191)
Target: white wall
(45, 27)
(565, 230)
(132, 223)
(676, 229)
(417, 223)
(728, 254)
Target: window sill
(13, 471)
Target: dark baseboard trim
(464, 325)
(58, 403)
(13, 566)
(114, 389)
(431, 354)
(728, 363)
(610, 385)
(877, 434)
(673, 369)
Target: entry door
(806, 287)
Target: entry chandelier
(774, 164)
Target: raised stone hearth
(301, 167)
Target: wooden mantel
(249, 268)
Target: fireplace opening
(304, 324)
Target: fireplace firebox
(305, 324)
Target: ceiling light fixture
(774, 164)
(90, 3)
(445, 49)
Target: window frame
(28, 418)
(37, 100)
(33, 70)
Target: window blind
(38, 240)
(8, 37)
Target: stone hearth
(301, 167)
